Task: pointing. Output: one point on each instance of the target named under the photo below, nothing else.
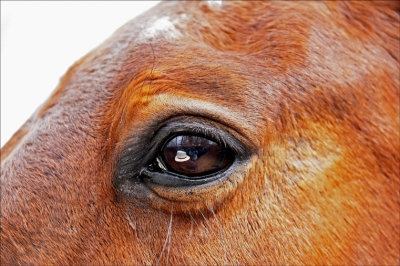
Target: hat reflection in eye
(181, 156)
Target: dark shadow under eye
(193, 155)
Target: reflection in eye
(194, 155)
(181, 156)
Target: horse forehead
(188, 21)
(172, 24)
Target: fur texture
(311, 88)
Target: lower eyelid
(149, 188)
(201, 196)
(170, 180)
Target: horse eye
(192, 156)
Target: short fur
(312, 88)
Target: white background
(41, 40)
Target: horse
(204, 133)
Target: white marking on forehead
(214, 3)
(162, 27)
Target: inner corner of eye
(160, 164)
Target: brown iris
(195, 156)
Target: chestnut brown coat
(309, 89)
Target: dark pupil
(194, 155)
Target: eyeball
(195, 156)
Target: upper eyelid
(191, 120)
(208, 110)
(202, 129)
(195, 125)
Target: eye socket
(195, 156)
(147, 168)
(184, 153)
